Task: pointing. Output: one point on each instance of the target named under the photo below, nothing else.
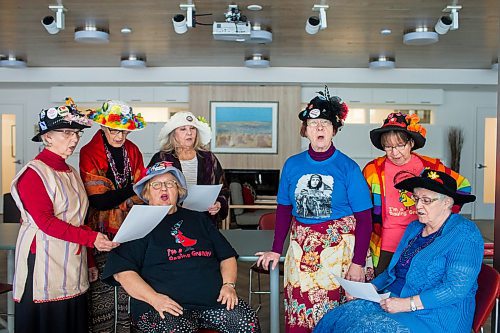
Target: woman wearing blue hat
(182, 275)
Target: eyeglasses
(115, 132)
(398, 147)
(425, 201)
(317, 122)
(69, 133)
(159, 185)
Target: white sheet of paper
(361, 290)
(141, 219)
(200, 197)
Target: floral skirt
(316, 254)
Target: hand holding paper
(361, 290)
(200, 197)
(140, 221)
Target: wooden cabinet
(354, 95)
(83, 94)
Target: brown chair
(5, 288)
(266, 222)
(11, 213)
(487, 294)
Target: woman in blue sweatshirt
(433, 274)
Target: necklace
(121, 178)
(411, 251)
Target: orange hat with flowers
(397, 121)
(117, 115)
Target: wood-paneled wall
(288, 98)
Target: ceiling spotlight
(449, 21)
(314, 23)
(91, 35)
(12, 62)
(182, 22)
(382, 62)
(133, 61)
(259, 35)
(420, 36)
(54, 24)
(257, 60)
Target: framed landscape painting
(244, 127)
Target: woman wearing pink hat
(182, 142)
(110, 165)
(393, 209)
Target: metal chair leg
(250, 291)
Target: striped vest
(60, 270)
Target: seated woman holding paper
(182, 274)
(432, 275)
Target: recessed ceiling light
(12, 62)
(257, 60)
(126, 30)
(385, 32)
(420, 36)
(91, 35)
(382, 62)
(133, 61)
(254, 7)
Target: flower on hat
(202, 119)
(414, 125)
(117, 115)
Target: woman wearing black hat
(432, 276)
(51, 276)
(393, 210)
(330, 230)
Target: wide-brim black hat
(436, 181)
(400, 122)
(65, 116)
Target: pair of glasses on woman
(398, 147)
(318, 122)
(159, 185)
(425, 200)
(115, 132)
(69, 133)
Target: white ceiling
(352, 37)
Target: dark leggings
(242, 319)
(383, 261)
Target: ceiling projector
(232, 31)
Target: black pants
(383, 261)
(65, 316)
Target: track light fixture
(54, 24)
(449, 21)
(182, 22)
(314, 23)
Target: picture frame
(244, 127)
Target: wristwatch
(413, 306)
(231, 284)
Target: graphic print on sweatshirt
(180, 238)
(313, 195)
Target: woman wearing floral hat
(182, 141)
(393, 209)
(331, 239)
(51, 280)
(110, 165)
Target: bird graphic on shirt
(179, 236)
(406, 199)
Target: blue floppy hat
(159, 169)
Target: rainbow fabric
(374, 175)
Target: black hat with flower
(65, 116)
(397, 121)
(436, 181)
(327, 107)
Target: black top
(179, 258)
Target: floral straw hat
(117, 115)
(397, 121)
(65, 116)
